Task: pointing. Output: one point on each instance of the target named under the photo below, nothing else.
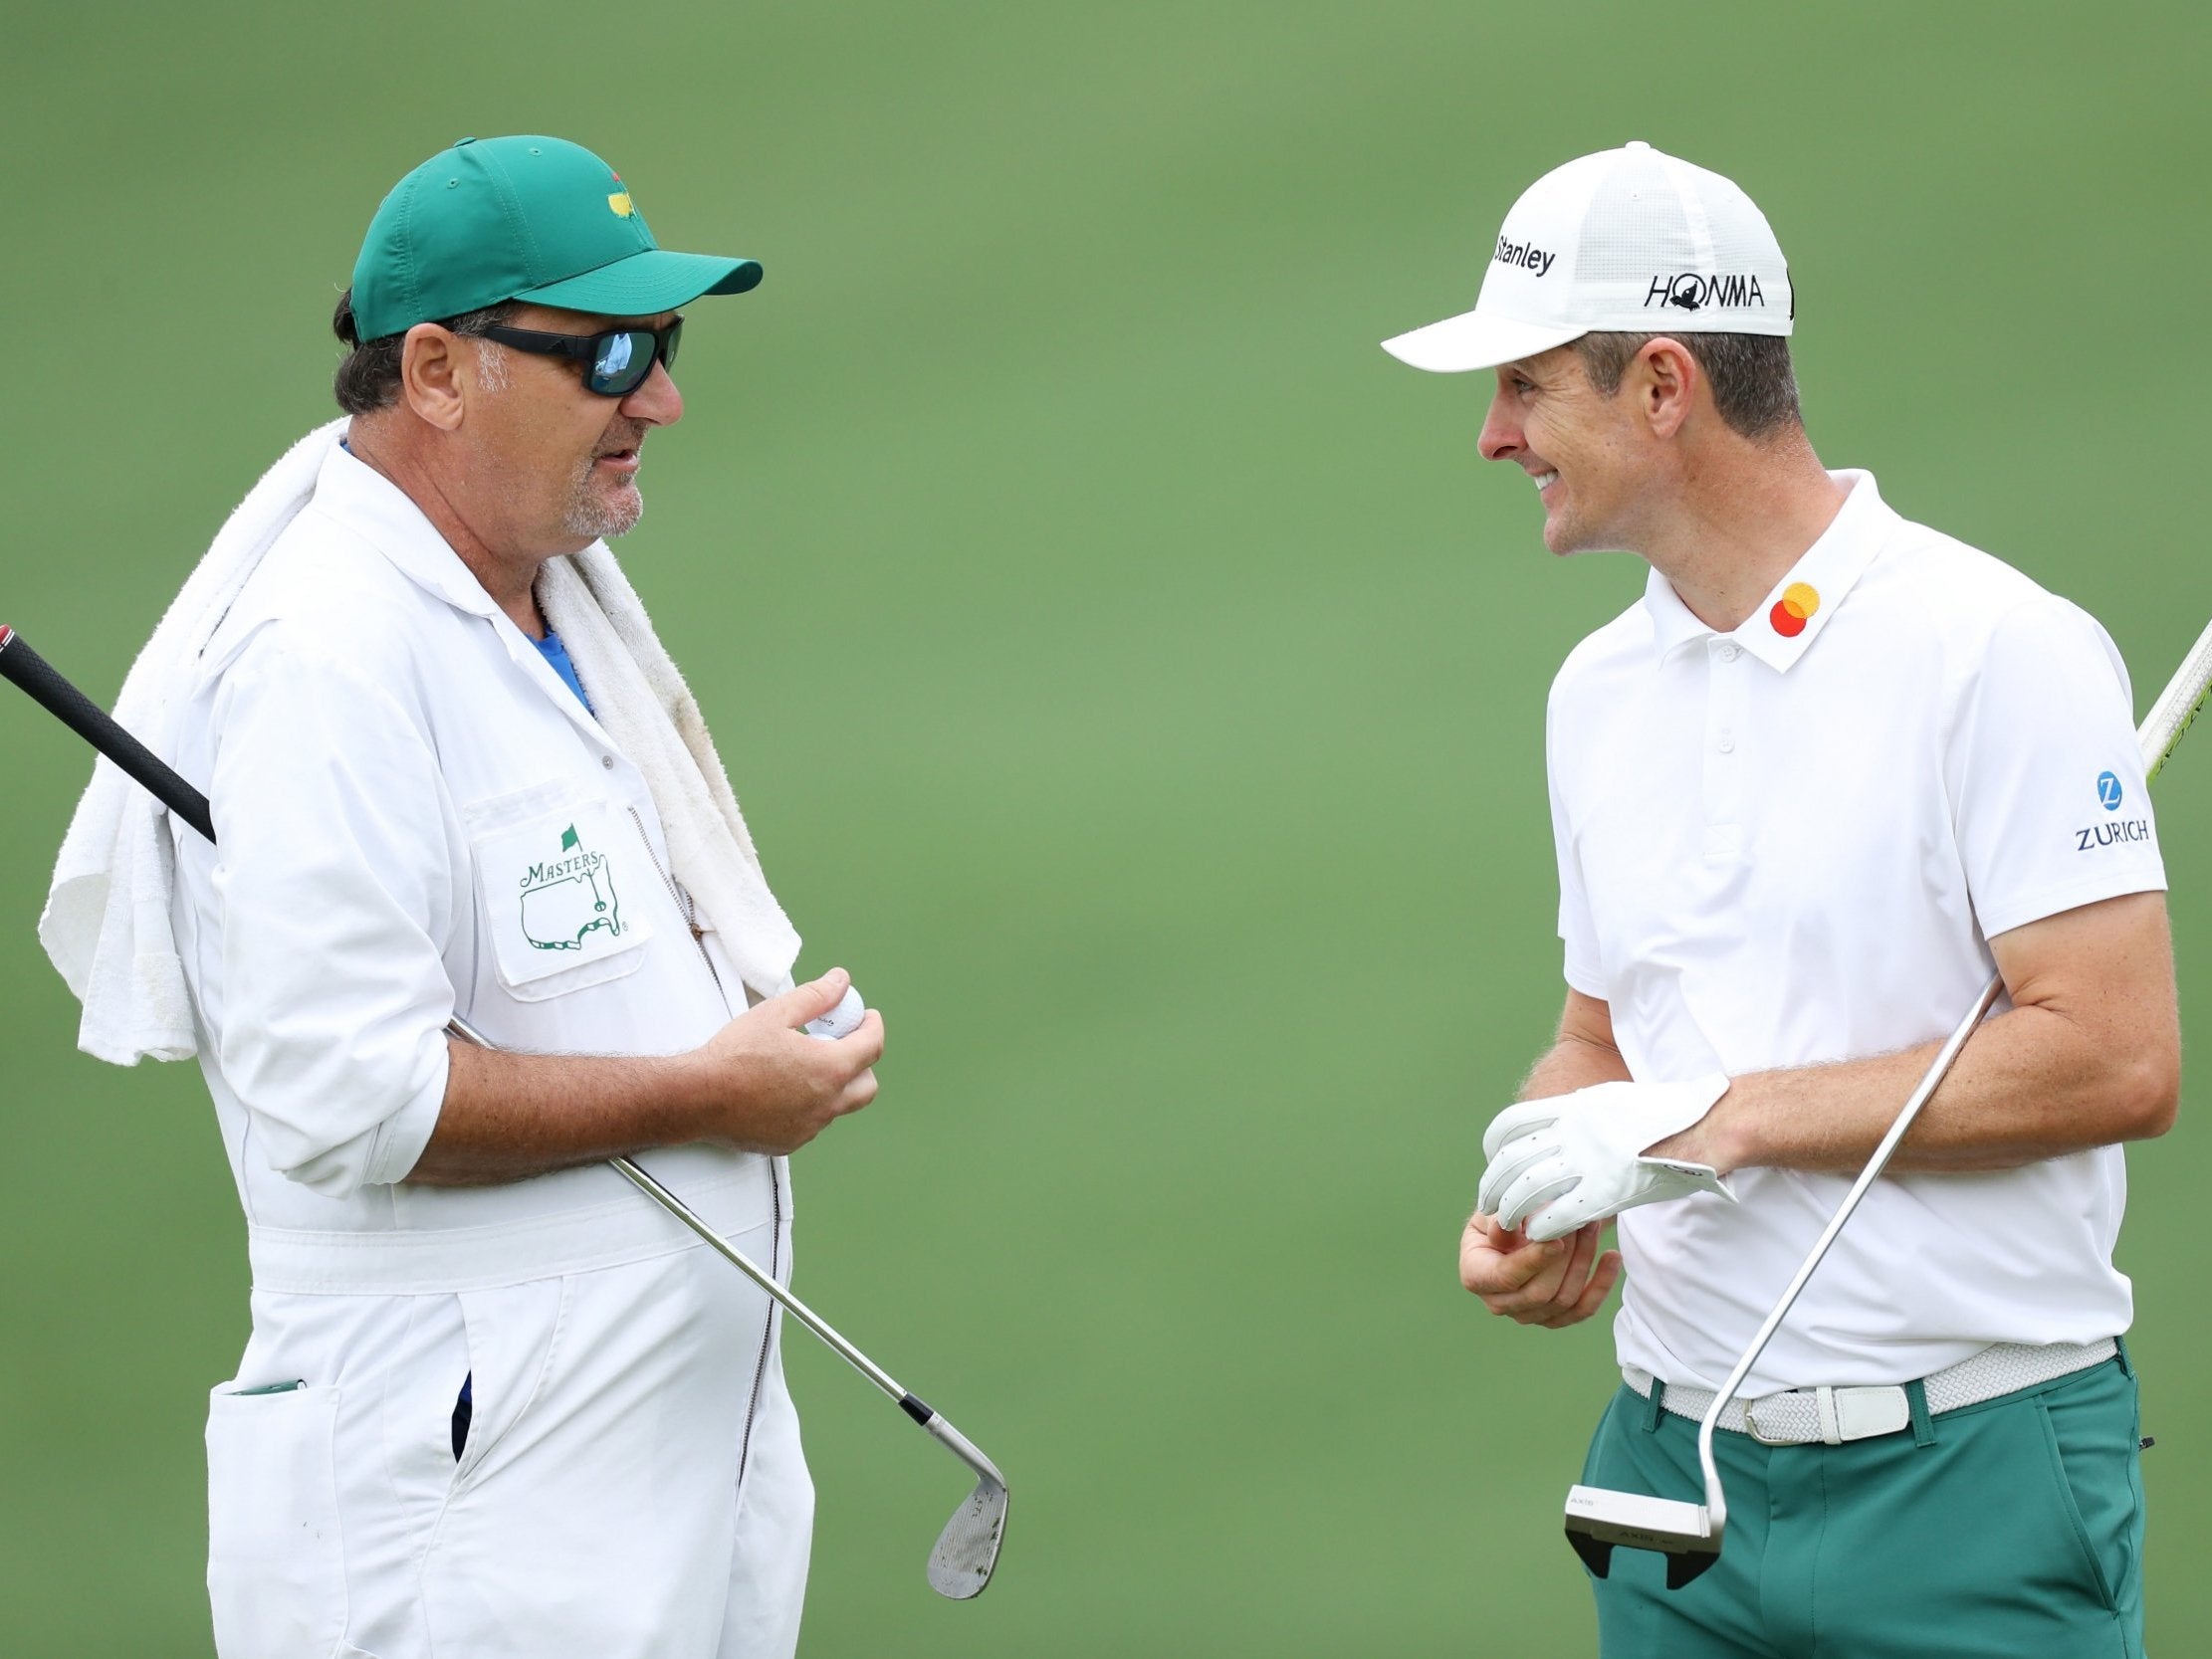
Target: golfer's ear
(1666, 379)
(430, 375)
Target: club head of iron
(968, 1548)
(1598, 1520)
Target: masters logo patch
(568, 897)
(557, 887)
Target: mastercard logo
(1794, 609)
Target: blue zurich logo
(2108, 791)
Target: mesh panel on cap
(1636, 224)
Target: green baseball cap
(525, 218)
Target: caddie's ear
(1666, 380)
(431, 376)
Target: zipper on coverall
(776, 1174)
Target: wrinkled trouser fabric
(632, 1482)
(2002, 1530)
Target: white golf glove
(1567, 1159)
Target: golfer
(1808, 793)
(494, 1402)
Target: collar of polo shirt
(1800, 605)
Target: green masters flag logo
(568, 897)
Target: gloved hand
(1559, 1163)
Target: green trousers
(2008, 1529)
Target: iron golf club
(960, 1565)
(1690, 1534)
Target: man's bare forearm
(508, 1117)
(2090, 1056)
(1573, 1061)
(760, 1085)
(1582, 1053)
(2028, 1086)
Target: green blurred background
(1130, 672)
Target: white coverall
(415, 816)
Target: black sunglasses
(616, 363)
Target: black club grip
(18, 662)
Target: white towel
(106, 920)
(644, 706)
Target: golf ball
(842, 1020)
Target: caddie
(1831, 771)
(495, 1403)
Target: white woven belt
(1834, 1415)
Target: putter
(968, 1550)
(1690, 1534)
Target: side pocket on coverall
(276, 1568)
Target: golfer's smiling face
(1577, 446)
(558, 464)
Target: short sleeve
(2045, 775)
(1577, 932)
(333, 887)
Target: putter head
(1684, 1534)
(968, 1548)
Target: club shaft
(939, 1427)
(784, 1298)
(729, 1252)
(2157, 738)
(1930, 1080)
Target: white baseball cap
(1630, 241)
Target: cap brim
(649, 282)
(1471, 341)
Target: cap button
(1636, 143)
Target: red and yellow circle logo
(1794, 609)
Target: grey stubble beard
(594, 515)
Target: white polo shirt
(1789, 845)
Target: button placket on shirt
(1727, 673)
